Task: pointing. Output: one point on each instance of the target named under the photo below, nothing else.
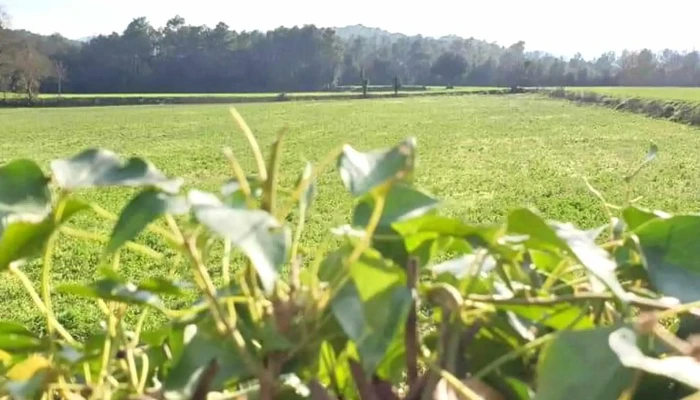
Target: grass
(482, 155)
(658, 93)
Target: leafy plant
(402, 302)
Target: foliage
(407, 303)
(449, 66)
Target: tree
(61, 74)
(449, 66)
(30, 68)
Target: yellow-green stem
(46, 283)
(262, 170)
(495, 364)
(40, 304)
(297, 233)
(240, 176)
(139, 248)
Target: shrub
(519, 307)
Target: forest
(184, 58)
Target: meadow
(483, 155)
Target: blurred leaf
(558, 316)
(444, 226)
(25, 240)
(635, 217)
(24, 191)
(362, 172)
(143, 209)
(255, 232)
(16, 338)
(684, 369)
(581, 365)
(165, 286)
(201, 348)
(402, 203)
(540, 235)
(668, 250)
(372, 308)
(556, 237)
(114, 290)
(98, 167)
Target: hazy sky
(560, 27)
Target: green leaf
(402, 203)
(202, 347)
(684, 369)
(255, 232)
(143, 209)
(24, 191)
(16, 338)
(373, 307)
(635, 217)
(540, 235)
(668, 248)
(164, 286)
(23, 240)
(557, 316)
(556, 237)
(581, 365)
(114, 290)
(98, 167)
(363, 172)
(444, 226)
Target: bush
(519, 307)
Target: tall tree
(449, 66)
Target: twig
(364, 388)
(318, 392)
(581, 297)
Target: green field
(483, 155)
(660, 93)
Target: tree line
(180, 57)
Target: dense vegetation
(402, 302)
(185, 58)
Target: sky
(561, 27)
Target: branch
(640, 302)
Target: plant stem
(673, 311)
(139, 248)
(240, 176)
(581, 297)
(495, 364)
(259, 160)
(40, 305)
(297, 233)
(209, 290)
(46, 283)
